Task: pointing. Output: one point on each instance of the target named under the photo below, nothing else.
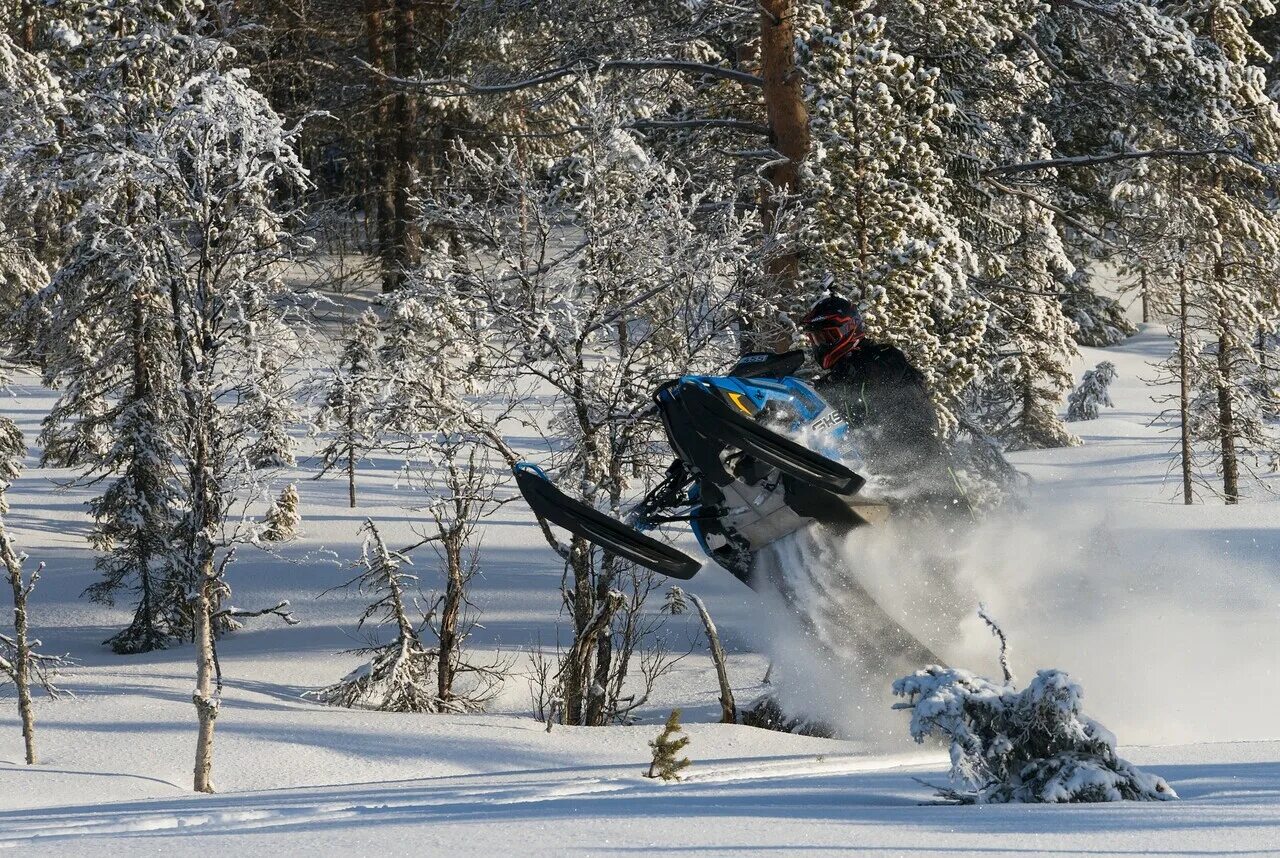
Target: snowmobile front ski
(716, 420)
(578, 518)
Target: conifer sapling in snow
(283, 517)
(1092, 394)
(669, 743)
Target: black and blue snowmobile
(737, 480)
(743, 485)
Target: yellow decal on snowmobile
(737, 400)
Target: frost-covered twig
(1004, 642)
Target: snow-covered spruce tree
(666, 746)
(1092, 393)
(283, 518)
(31, 102)
(1034, 745)
(350, 402)
(616, 283)
(876, 218)
(186, 233)
(102, 322)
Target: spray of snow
(1171, 630)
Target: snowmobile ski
(715, 419)
(611, 535)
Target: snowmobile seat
(768, 365)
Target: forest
(249, 248)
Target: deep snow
(1170, 617)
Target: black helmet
(834, 329)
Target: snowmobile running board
(716, 420)
(613, 536)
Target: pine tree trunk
(379, 174)
(788, 129)
(728, 707)
(1184, 386)
(406, 237)
(1226, 418)
(28, 37)
(22, 667)
(205, 696)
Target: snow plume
(1163, 623)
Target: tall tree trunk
(406, 239)
(1146, 296)
(351, 453)
(205, 696)
(577, 669)
(451, 609)
(383, 208)
(788, 130)
(22, 669)
(27, 37)
(1226, 417)
(1184, 386)
(142, 392)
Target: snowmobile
(742, 485)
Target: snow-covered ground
(1170, 617)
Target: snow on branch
(457, 87)
(1079, 161)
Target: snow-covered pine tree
(1092, 393)
(31, 101)
(103, 319)
(283, 518)
(1033, 745)
(350, 404)
(666, 746)
(876, 217)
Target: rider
(881, 395)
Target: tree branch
(1112, 157)
(466, 88)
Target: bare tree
(403, 675)
(19, 660)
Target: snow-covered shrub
(1033, 745)
(283, 517)
(1092, 394)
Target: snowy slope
(1169, 616)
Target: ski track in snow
(1169, 617)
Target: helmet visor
(831, 330)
